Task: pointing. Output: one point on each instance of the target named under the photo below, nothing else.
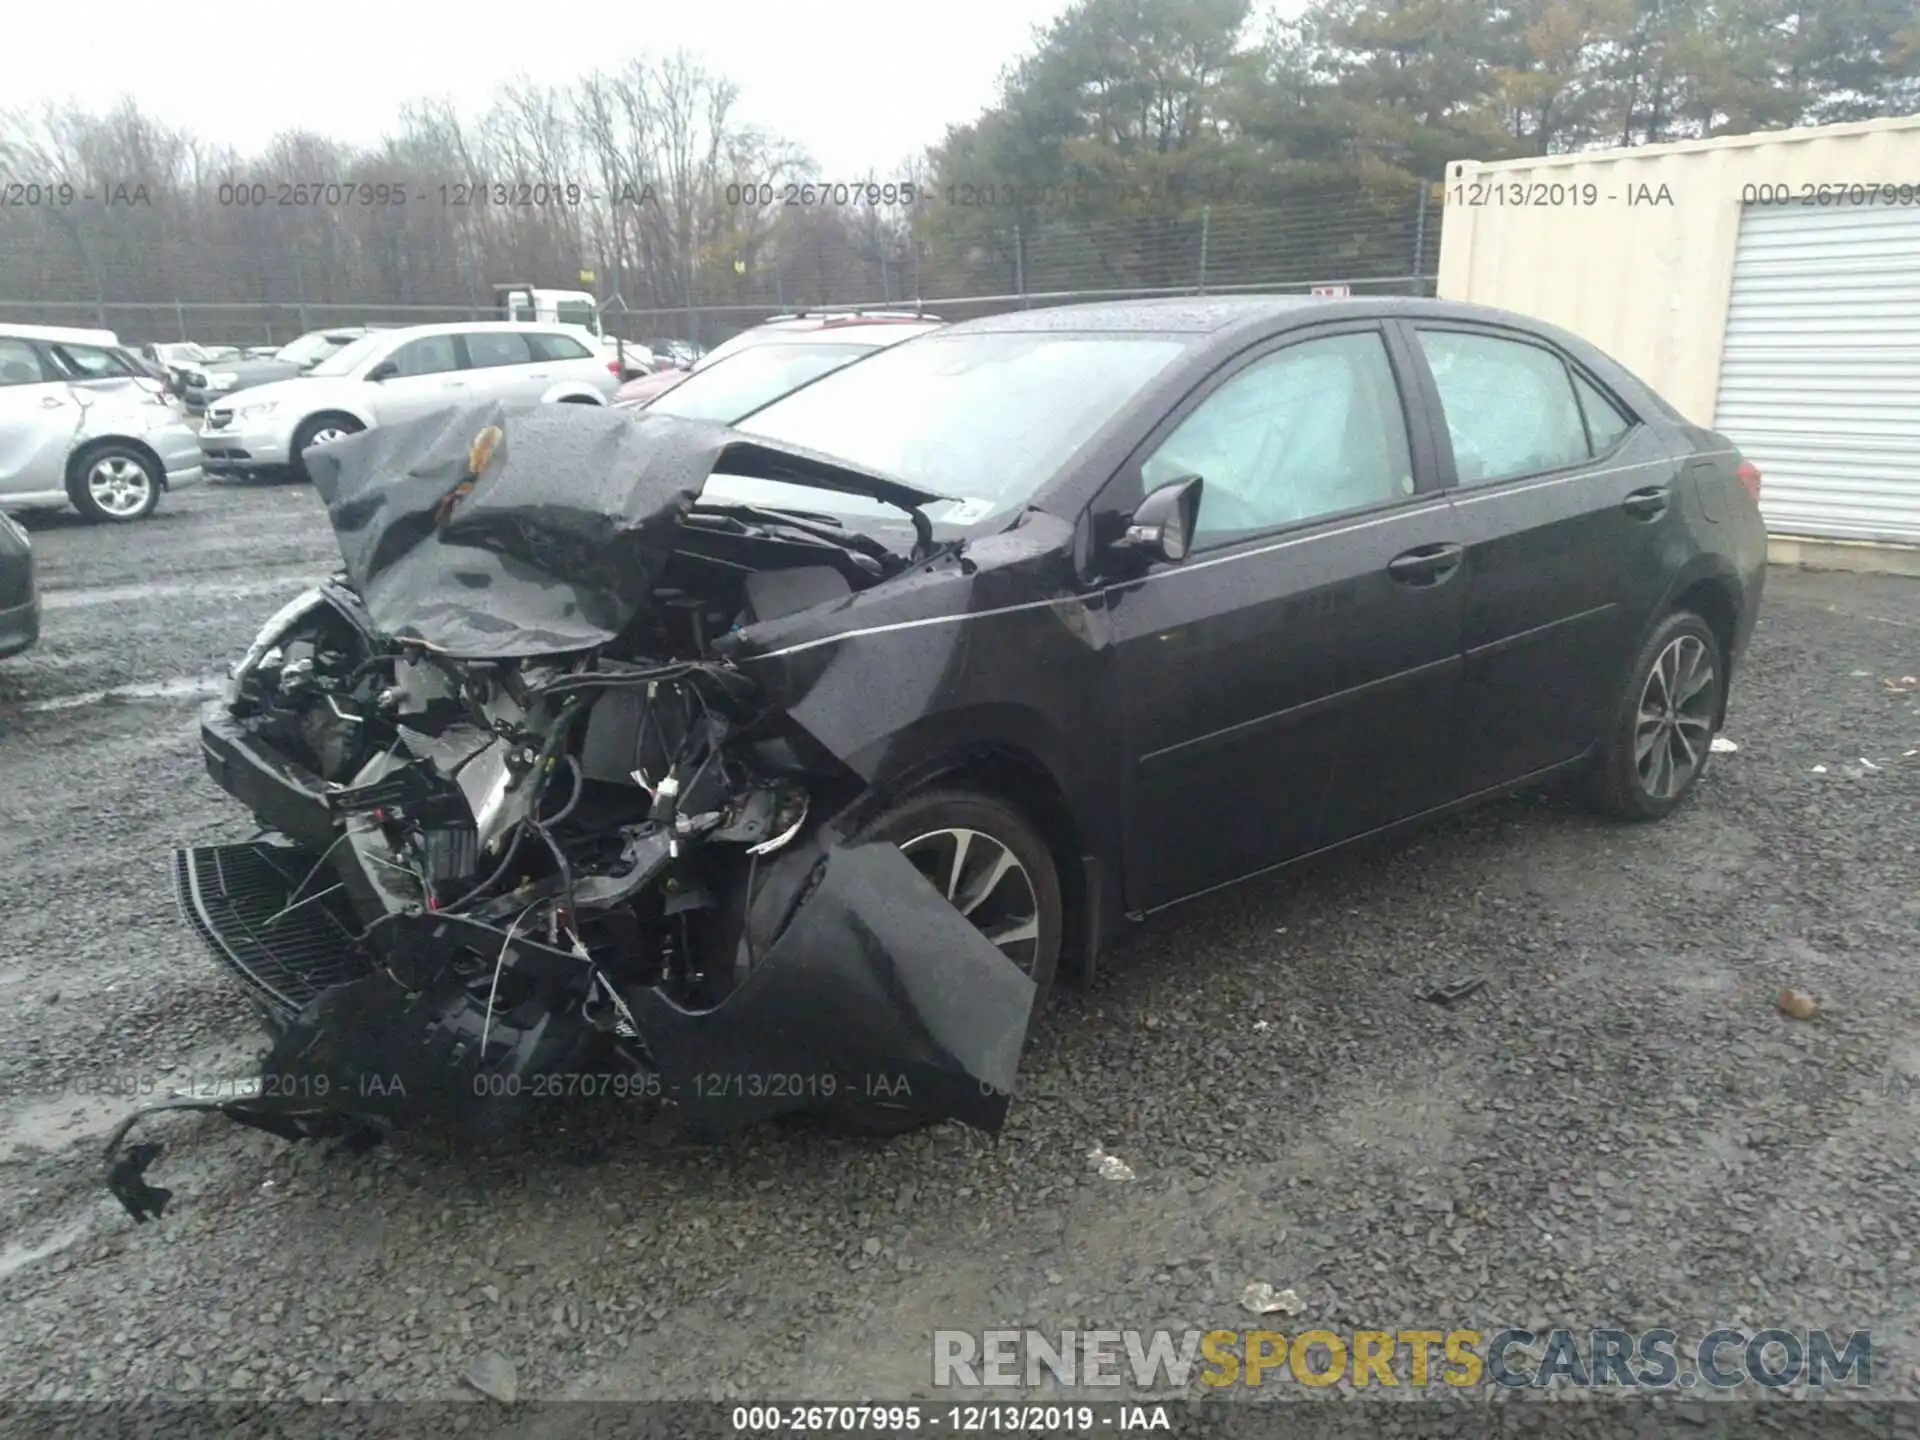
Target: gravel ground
(1620, 1129)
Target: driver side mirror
(1163, 525)
(385, 370)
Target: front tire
(319, 430)
(984, 855)
(113, 483)
(1661, 732)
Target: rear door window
(487, 349)
(20, 364)
(558, 347)
(1509, 406)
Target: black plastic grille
(236, 897)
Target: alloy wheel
(986, 883)
(327, 433)
(1673, 728)
(119, 486)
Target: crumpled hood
(555, 545)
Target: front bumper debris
(864, 986)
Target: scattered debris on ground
(1445, 992)
(1260, 1298)
(493, 1376)
(1798, 1003)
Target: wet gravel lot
(1619, 1129)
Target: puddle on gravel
(18, 1257)
(290, 581)
(222, 1070)
(184, 687)
(59, 1121)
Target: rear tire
(317, 430)
(1021, 911)
(1660, 736)
(113, 483)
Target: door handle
(1648, 504)
(51, 402)
(1426, 564)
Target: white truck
(532, 304)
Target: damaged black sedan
(780, 766)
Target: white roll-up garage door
(1820, 373)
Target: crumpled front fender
(874, 989)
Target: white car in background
(79, 427)
(394, 375)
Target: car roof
(1183, 314)
(850, 332)
(58, 334)
(1219, 321)
(468, 327)
(803, 323)
(829, 330)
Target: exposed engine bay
(529, 834)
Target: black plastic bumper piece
(283, 795)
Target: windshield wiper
(805, 522)
(771, 512)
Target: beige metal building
(1767, 284)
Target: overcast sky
(861, 83)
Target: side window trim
(1585, 376)
(1130, 474)
(1443, 436)
(1433, 471)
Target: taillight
(613, 368)
(1749, 475)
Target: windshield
(748, 379)
(349, 358)
(745, 340)
(985, 418)
(307, 349)
(578, 312)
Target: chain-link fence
(975, 264)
